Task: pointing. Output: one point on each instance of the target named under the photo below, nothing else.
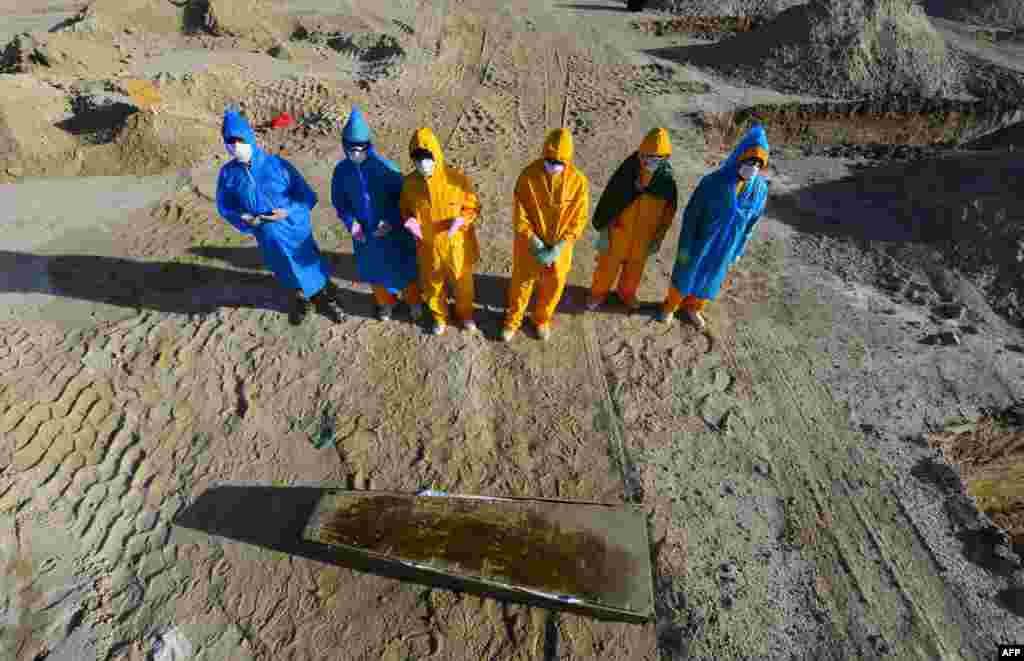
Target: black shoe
(333, 293)
(300, 308)
(326, 308)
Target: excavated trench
(701, 27)
(887, 128)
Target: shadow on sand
(185, 288)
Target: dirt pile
(117, 16)
(841, 49)
(30, 144)
(60, 54)
(153, 143)
(246, 19)
(988, 453)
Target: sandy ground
(154, 401)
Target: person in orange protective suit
(550, 206)
(440, 209)
(633, 216)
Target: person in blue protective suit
(365, 191)
(717, 222)
(264, 196)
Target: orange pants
(607, 272)
(549, 291)
(411, 295)
(675, 300)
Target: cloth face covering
(356, 154)
(240, 151)
(425, 167)
(651, 163)
(553, 167)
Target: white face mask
(425, 167)
(553, 169)
(748, 172)
(240, 151)
(650, 164)
(357, 157)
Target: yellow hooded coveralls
(645, 220)
(435, 202)
(555, 208)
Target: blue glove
(550, 256)
(537, 247)
(603, 241)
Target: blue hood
(755, 137)
(356, 128)
(235, 126)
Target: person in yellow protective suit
(441, 208)
(550, 207)
(633, 216)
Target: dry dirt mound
(988, 454)
(840, 49)
(153, 143)
(147, 16)
(30, 143)
(61, 54)
(247, 19)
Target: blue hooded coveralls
(718, 222)
(369, 192)
(270, 182)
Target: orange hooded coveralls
(555, 208)
(435, 202)
(642, 224)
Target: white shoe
(697, 319)
(384, 312)
(507, 334)
(416, 312)
(470, 327)
(438, 329)
(665, 317)
(544, 332)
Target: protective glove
(603, 241)
(383, 229)
(458, 222)
(413, 226)
(550, 256)
(255, 222)
(357, 232)
(537, 247)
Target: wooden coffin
(584, 557)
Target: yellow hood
(425, 139)
(558, 146)
(656, 143)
